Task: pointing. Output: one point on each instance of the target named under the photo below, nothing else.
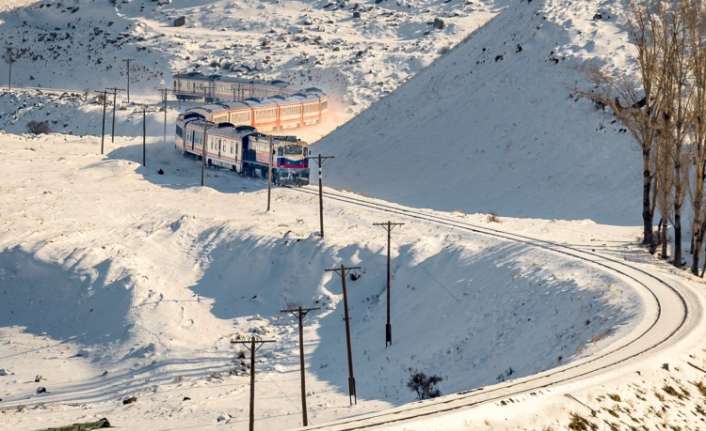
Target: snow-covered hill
(494, 125)
(356, 51)
(120, 280)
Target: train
(305, 108)
(244, 149)
(211, 88)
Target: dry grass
(579, 423)
(492, 218)
(701, 387)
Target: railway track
(669, 317)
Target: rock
(598, 16)
(186, 399)
(4, 372)
(179, 22)
(129, 400)
(356, 14)
(37, 378)
(438, 24)
(160, 171)
(223, 418)
(41, 390)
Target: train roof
(198, 76)
(207, 109)
(232, 132)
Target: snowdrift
(493, 126)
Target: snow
(119, 281)
(494, 126)
(156, 278)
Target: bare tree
(637, 104)
(675, 92)
(695, 16)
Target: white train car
(244, 150)
(195, 85)
(302, 109)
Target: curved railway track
(670, 316)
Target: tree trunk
(677, 261)
(647, 213)
(663, 238)
(698, 243)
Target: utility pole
(388, 226)
(115, 101)
(164, 92)
(320, 159)
(105, 103)
(144, 135)
(128, 61)
(203, 156)
(341, 270)
(269, 175)
(301, 313)
(253, 345)
(10, 58)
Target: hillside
(494, 126)
(357, 52)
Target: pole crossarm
(300, 309)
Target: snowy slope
(493, 125)
(357, 52)
(122, 281)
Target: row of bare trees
(663, 105)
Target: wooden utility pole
(253, 345)
(144, 135)
(127, 67)
(269, 175)
(115, 101)
(10, 58)
(341, 270)
(301, 312)
(165, 92)
(105, 103)
(388, 226)
(320, 159)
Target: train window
(293, 149)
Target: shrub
(423, 385)
(38, 127)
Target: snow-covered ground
(118, 280)
(121, 280)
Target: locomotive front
(291, 165)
